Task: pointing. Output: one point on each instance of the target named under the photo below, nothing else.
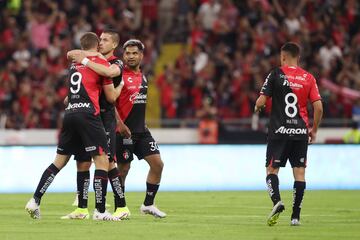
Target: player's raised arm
(77, 53)
(107, 71)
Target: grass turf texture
(191, 215)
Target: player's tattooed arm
(260, 103)
(123, 129)
(318, 112)
(66, 101)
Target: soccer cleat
(295, 222)
(33, 209)
(105, 216)
(122, 213)
(79, 213)
(274, 215)
(152, 210)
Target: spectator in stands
(232, 45)
(353, 136)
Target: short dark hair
(292, 48)
(114, 34)
(134, 42)
(89, 40)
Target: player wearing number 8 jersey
(290, 88)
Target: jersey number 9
(75, 81)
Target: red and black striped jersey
(290, 89)
(85, 87)
(131, 104)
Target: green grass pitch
(191, 215)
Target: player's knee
(157, 166)
(124, 169)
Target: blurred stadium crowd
(229, 48)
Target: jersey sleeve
(118, 80)
(267, 88)
(314, 91)
(120, 64)
(105, 80)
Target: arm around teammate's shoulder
(105, 71)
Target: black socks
(151, 190)
(298, 194)
(115, 181)
(272, 182)
(100, 187)
(83, 183)
(45, 181)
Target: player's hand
(312, 136)
(124, 130)
(79, 56)
(71, 54)
(258, 109)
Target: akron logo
(126, 154)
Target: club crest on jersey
(126, 154)
(130, 79)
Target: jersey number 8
(75, 81)
(291, 105)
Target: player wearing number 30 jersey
(290, 88)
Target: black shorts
(82, 132)
(140, 144)
(109, 121)
(280, 150)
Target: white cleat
(33, 209)
(152, 210)
(105, 216)
(295, 222)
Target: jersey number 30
(291, 105)
(75, 81)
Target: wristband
(85, 61)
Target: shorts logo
(127, 141)
(302, 160)
(89, 149)
(126, 154)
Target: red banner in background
(343, 91)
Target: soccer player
(290, 88)
(82, 130)
(109, 40)
(131, 107)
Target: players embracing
(133, 137)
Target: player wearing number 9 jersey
(82, 129)
(290, 88)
